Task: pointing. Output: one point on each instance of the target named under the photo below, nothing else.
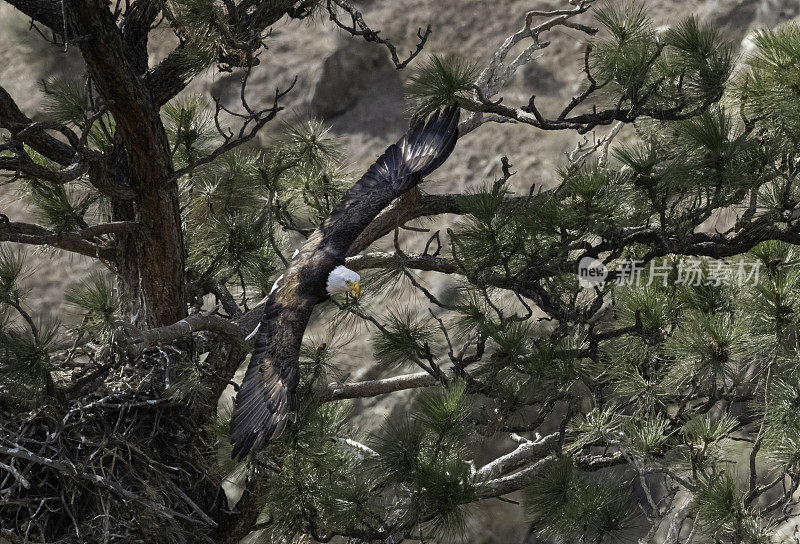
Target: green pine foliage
(25, 342)
(244, 198)
(769, 88)
(722, 514)
(190, 128)
(569, 506)
(636, 373)
(700, 55)
(404, 338)
(719, 503)
(66, 100)
(322, 474)
(25, 364)
(438, 82)
(689, 61)
(624, 55)
(188, 378)
(705, 430)
(67, 103)
(541, 374)
(693, 339)
(444, 411)
(411, 473)
(422, 456)
(60, 207)
(646, 437)
(305, 167)
(599, 424)
(12, 270)
(781, 421)
(95, 298)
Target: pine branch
(514, 482)
(499, 71)
(357, 27)
(414, 205)
(34, 135)
(140, 340)
(417, 262)
(372, 388)
(77, 158)
(527, 450)
(77, 242)
(23, 166)
(45, 13)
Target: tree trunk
(233, 528)
(151, 260)
(160, 254)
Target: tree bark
(150, 261)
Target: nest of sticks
(123, 463)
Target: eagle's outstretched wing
(267, 399)
(421, 151)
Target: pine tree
(658, 404)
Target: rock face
(773, 12)
(348, 74)
(732, 17)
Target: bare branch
(228, 330)
(373, 388)
(22, 166)
(12, 119)
(246, 131)
(518, 480)
(524, 453)
(358, 27)
(76, 242)
(417, 262)
(499, 70)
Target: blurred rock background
(353, 86)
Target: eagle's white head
(343, 280)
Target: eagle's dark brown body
(267, 398)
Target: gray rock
(773, 12)
(345, 77)
(539, 79)
(733, 17)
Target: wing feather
(263, 405)
(423, 149)
(266, 400)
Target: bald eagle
(267, 398)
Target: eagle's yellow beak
(355, 288)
